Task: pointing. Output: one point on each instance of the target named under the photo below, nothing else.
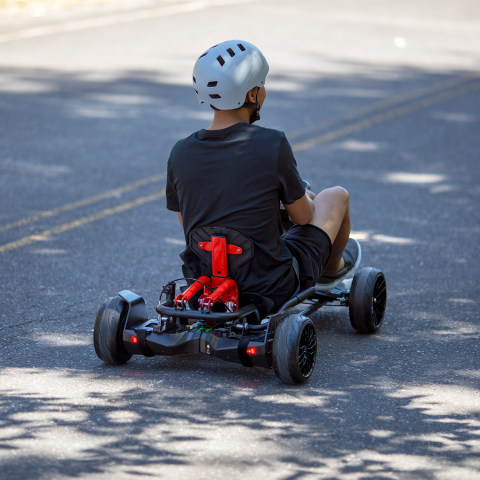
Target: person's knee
(341, 195)
(342, 192)
(331, 208)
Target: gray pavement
(380, 97)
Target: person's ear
(251, 95)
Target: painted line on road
(83, 203)
(335, 134)
(114, 19)
(296, 146)
(383, 116)
(47, 234)
(390, 102)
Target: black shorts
(312, 248)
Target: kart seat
(201, 235)
(222, 250)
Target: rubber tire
(367, 300)
(108, 330)
(286, 344)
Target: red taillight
(252, 350)
(134, 340)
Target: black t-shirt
(236, 178)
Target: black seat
(204, 234)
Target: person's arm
(301, 211)
(180, 219)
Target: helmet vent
(203, 54)
(230, 52)
(194, 80)
(212, 84)
(241, 47)
(221, 61)
(215, 96)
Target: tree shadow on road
(374, 407)
(403, 403)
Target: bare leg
(333, 217)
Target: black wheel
(108, 330)
(367, 300)
(294, 349)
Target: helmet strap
(255, 115)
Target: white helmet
(224, 74)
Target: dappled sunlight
(474, 374)
(319, 400)
(374, 93)
(50, 415)
(33, 169)
(368, 236)
(440, 400)
(122, 416)
(113, 105)
(96, 112)
(48, 251)
(361, 236)
(376, 406)
(175, 241)
(360, 146)
(462, 301)
(445, 188)
(366, 359)
(63, 339)
(439, 327)
(20, 85)
(457, 331)
(457, 117)
(139, 420)
(123, 99)
(414, 178)
(370, 464)
(118, 95)
(277, 83)
(393, 240)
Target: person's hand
(310, 194)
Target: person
(236, 174)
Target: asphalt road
(380, 97)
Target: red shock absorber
(219, 288)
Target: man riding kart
(254, 279)
(236, 175)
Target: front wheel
(294, 350)
(367, 300)
(108, 331)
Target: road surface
(380, 97)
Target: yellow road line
(421, 92)
(46, 234)
(82, 203)
(383, 116)
(294, 134)
(354, 127)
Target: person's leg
(333, 217)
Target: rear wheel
(294, 350)
(367, 300)
(108, 330)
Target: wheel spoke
(307, 350)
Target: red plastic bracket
(218, 288)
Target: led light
(134, 340)
(252, 350)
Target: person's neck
(226, 118)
